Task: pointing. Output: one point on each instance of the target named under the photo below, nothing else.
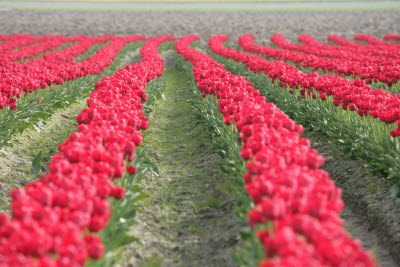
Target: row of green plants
(355, 136)
(30, 113)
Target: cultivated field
(199, 138)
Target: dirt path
(186, 220)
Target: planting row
(344, 49)
(392, 37)
(45, 44)
(352, 95)
(37, 107)
(54, 219)
(357, 136)
(387, 71)
(16, 41)
(295, 201)
(57, 67)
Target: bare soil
(318, 24)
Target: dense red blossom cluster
(346, 50)
(44, 44)
(11, 42)
(57, 67)
(351, 95)
(371, 40)
(392, 37)
(387, 71)
(52, 218)
(290, 193)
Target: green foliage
(250, 252)
(37, 163)
(154, 91)
(223, 138)
(395, 191)
(166, 46)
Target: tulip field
(240, 120)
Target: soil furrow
(186, 220)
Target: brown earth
(318, 24)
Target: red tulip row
(15, 41)
(388, 72)
(392, 37)
(347, 49)
(351, 95)
(298, 201)
(47, 43)
(57, 67)
(371, 40)
(369, 50)
(53, 219)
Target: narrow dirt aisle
(186, 219)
